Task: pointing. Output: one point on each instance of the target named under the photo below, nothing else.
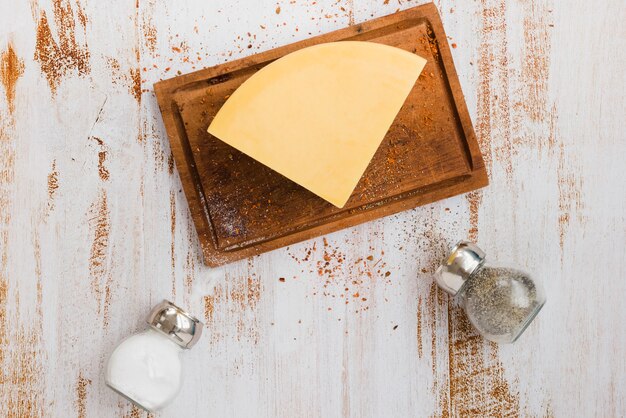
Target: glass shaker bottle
(499, 302)
(146, 368)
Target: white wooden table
(94, 227)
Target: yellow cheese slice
(318, 115)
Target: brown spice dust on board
(82, 384)
(100, 228)
(432, 43)
(11, 68)
(278, 10)
(57, 59)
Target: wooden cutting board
(242, 208)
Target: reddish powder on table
(11, 68)
(57, 59)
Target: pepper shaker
(499, 302)
(146, 368)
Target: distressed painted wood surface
(94, 228)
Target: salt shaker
(499, 302)
(146, 368)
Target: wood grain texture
(243, 208)
(95, 229)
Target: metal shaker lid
(462, 262)
(175, 323)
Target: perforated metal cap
(178, 325)
(462, 262)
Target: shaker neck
(465, 259)
(175, 324)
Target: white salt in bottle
(146, 368)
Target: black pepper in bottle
(499, 302)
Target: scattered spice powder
(57, 59)
(99, 225)
(474, 363)
(102, 170)
(229, 309)
(150, 35)
(53, 180)
(81, 395)
(135, 84)
(11, 68)
(173, 240)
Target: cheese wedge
(318, 115)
